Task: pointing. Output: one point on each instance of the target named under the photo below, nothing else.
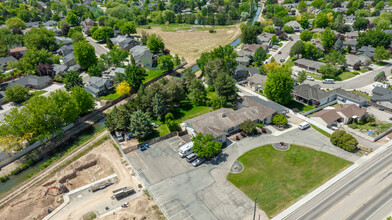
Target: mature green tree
(109, 43)
(72, 18)
(84, 100)
(248, 34)
(380, 77)
(311, 51)
(374, 38)
(302, 5)
(344, 140)
(329, 70)
(225, 87)
(297, 49)
(288, 29)
(134, 75)
(321, 21)
(204, 145)
(128, 28)
(16, 94)
(155, 43)
(197, 92)
(111, 117)
(140, 124)
(166, 62)
(158, 106)
(102, 33)
(327, 38)
(77, 36)
(32, 58)
(72, 79)
(225, 54)
(260, 55)
(335, 58)
(85, 54)
(40, 38)
(306, 35)
(248, 126)
(360, 23)
(380, 54)
(279, 85)
(115, 57)
(301, 76)
(212, 69)
(94, 71)
(338, 46)
(66, 106)
(15, 22)
(279, 120)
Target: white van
(186, 149)
(304, 125)
(328, 81)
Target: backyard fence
(365, 136)
(319, 108)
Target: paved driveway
(185, 192)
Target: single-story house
(349, 19)
(351, 35)
(256, 82)
(142, 56)
(5, 60)
(253, 47)
(225, 121)
(87, 24)
(50, 23)
(65, 50)
(242, 72)
(68, 60)
(245, 60)
(386, 9)
(98, 86)
(367, 51)
(31, 81)
(124, 42)
(59, 69)
(245, 53)
(309, 65)
(32, 24)
(116, 71)
(353, 44)
(341, 114)
(382, 97)
(249, 101)
(75, 67)
(295, 25)
(265, 38)
(56, 31)
(351, 60)
(313, 95)
(63, 40)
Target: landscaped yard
(315, 76)
(279, 178)
(301, 107)
(153, 74)
(366, 95)
(112, 96)
(340, 77)
(37, 93)
(376, 128)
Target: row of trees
(42, 116)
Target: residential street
(99, 49)
(285, 49)
(363, 194)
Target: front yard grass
(280, 178)
(37, 93)
(315, 76)
(301, 107)
(109, 97)
(344, 76)
(363, 70)
(151, 74)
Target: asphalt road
(353, 83)
(360, 195)
(99, 49)
(285, 50)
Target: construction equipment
(60, 190)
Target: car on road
(119, 136)
(142, 147)
(310, 78)
(328, 81)
(275, 47)
(290, 38)
(279, 52)
(304, 125)
(381, 109)
(198, 161)
(191, 157)
(282, 60)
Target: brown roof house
(225, 121)
(342, 114)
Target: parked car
(198, 161)
(310, 78)
(328, 81)
(191, 157)
(275, 47)
(295, 72)
(290, 38)
(279, 52)
(282, 60)
(119, 136)
(304, 125)
(142, 147)
(381, 109)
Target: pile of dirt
(35, 204)
(139, 209)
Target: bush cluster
(344, 140)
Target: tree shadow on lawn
(179, 111)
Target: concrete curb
(332, 181)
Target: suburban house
(63, 40)
(313, 95)
(116, 71)
(225, 121)
(50, 23)
(256, 82)
(253, 47)
(386, 9)
(367, 51)
(350, 19)
(32, 24)
(31, 81)
(382, 98)
(65, 50)
(87, 24)
(295, 25)
(345, 114)
(309, 65)
(142, 56)
(317, 43)
(245, 60)
(265, 38)
(98, 86)
(242, 72)
(59, 69)
(68, 60)
(75, 67)
(124, 43)
(353, 44)
(249, 101)
(4, 62)
(351, 35)
(21, 50)
(351, 60)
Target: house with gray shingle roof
(382, 97)
(256, 82)
(367, 51)
(351, 60)
(5, 60)
(63, 40)
(31, 81)
(295, 25)
(59, 69)
(98, 86)
(309, 65)
(50, 23)
(142, 56)
(65, 50)
(124, 42)
(116, 71)
(68, 60)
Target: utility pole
(254, 211)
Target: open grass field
(280, 178)
(189, 41)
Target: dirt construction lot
(191, 43)
(100, 162)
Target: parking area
(380, 115)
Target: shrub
(212, 31)
(279, 120)
(237, 138)
(357, 66)
(4, 178)
(173, 126)
(243, 134)
(380, 77)
(260, 125)
(264, 130)
(344, 140)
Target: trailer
(119, 193)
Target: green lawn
(301, 107)
(315, 76)
(279, 178)
(152, 74)
(321, 131)
(378, 127)
(363, 70)
(345, 75)
(37, 93)
(112, 96)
